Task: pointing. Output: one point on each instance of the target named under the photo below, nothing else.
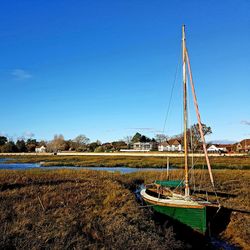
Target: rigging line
(171, 94)
(188, 171)
(199, 120)
(189, 118)
(200, 126)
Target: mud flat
(97, 209)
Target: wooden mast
(185, 110)
(199, 119)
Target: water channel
(28, 166)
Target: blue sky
(106, 68)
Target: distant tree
(194, 137)
(161, 138)
(99, 149)
(80, 142)
(21, 146)
(140, 138)
(194, 134)
(98, 142)
(107, 146)
(136, 137)
(57, 144)
(118, 145)
(3, 140)
(92, 146)
(9, 147)
(128, 141)
(67, 145)
(145, 139)
(42, 143)
(71, 144)
(31, 145)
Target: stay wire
(171, 94)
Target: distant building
(173, 145)
(220, 148)
(164, 146)
(217, 148)
(41, 149)
(144, 146)
(243, 146)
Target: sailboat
(161, 195)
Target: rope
(192, 178)
(171, 94)
(170, 99)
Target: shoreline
(143, 154)
(135, 161)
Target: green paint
(173, 183)
(192, 217)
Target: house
(173, 145)
(164, 146)
(217, 148)
(230, 148)
(220, 148)
(243, 146)
(41, 149)
(144, 146)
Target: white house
(143, 146)
(164, 146)
(171, 145)
(215, 148)
(41, 149)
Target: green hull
(192, 217)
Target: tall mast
(185, 110)
(199, 119)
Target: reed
(223, 162)
(66, 209)
(96, 209)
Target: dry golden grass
(92, 209)
(232, 187)
(231, 162)
(66, 209)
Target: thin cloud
(245, 122)
(28, 134)
(150, 130)
(144, 129)
(20, 74)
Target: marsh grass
(232, 187)
(229, 162)
(68, 209)
(97, 210)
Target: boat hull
(192, 215)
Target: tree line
(82, 143)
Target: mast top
(183, 32)
(185, 115)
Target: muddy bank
(76, 209)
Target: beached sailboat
(162, 194)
